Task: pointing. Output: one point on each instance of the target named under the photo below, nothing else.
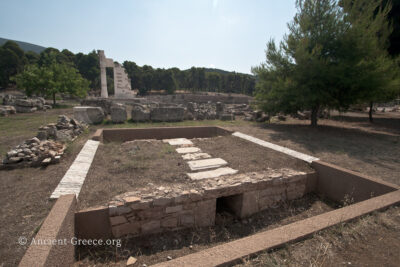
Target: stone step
(212, 174)
(185, 150)
(196, 156)
(196, 165)
(178, 141)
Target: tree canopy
(48, 80)
(326, 61)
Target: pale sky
(225, 34)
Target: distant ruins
(122, 84)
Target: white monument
(122, 84)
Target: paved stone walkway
(73, 179)
(200, 161)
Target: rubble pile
(47, 147)
(34, 152)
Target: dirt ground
(372, 240)
(245, 156)
(347, 140)
(156, 248)
(118, 168)
(25, 202)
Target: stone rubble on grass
(34, 152)
(65, 129)
(47, 147)
(7, 110)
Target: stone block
(171, 222)
(173, 209)
(151, 227)
(140, 205)
(167, 114)
(116, 220)
(118, 113)
(185, 150)
(131, 200)
(89, 115)
(162, 201)
(205, 213)
(249, 204)
(227, 117)
(154, 213)
(118, 210)
(24, 109)
(202, 164)
(25, 103)
(127, 228)
(186, 220)
(140, 115)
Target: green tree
(52, 79)
(89, 67)
(12, 61)
(324, 61)
(380, 81)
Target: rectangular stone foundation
(247, 194)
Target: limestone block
(116, 220)
(126, 228)
(249, 204)
(205, 213)
(173, 209)
(170, 222)
(202, 164)
(226, 117)
(196, 156)
(25, 109)
(167, 114)
(89, 115)
(185, 150)
(140, 115)
(151, 227)
(118, 113)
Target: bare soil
(156, 248)
(118, 168)
(245, 156)
(347, 140)
(25, 202)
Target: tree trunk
(371, 105)
(314, 116)
(54, 99)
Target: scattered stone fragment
(131, 261)
(169, 258)
(185, 150)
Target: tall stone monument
(122, 84)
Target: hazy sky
(225, 34)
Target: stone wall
(168, 208)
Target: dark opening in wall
(228, 208)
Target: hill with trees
(24, 45)
(13, 60)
